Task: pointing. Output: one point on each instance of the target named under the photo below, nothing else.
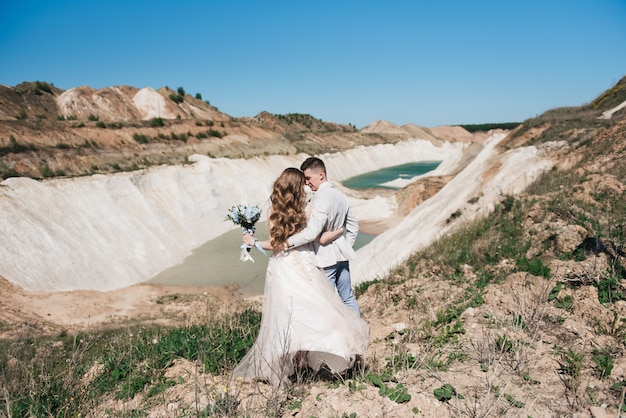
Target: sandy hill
(439, 133)
(39, 100)
(383, 127)
(420, 132)
(49, 132)
(447, 132)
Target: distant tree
(181, 91)
(198, 96)
(483, 127)
(42, 86)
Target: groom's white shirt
(329, 211)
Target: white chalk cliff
(488, 178)
(105, 232)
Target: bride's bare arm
(330, 236)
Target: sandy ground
(25, 313)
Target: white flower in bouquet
(245, 216)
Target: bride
(304, 321)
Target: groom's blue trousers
(339, 276)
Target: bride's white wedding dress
(302, 312)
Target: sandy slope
(489, 177)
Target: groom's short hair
(313, 163)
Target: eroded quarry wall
(105, 232)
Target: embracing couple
(310, 315)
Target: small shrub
(176, 98)
(215, 133)
(46, 171)
(555, 291)
(609, 291)
(142, 139)
(534, 267)
(362, 287)
(513, 402)
(571, 363)
(507, 203)
(449, 334)
(604, 363)
(453, 216)
(156, 122)
(504, 344)
(446, 392)
(566, 302)
(43, 86)
(578, 255)
(398, 394)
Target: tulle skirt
(302, 313)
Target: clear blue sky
(424, 62)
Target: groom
(329, 211)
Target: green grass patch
(45, 376)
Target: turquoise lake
(376, 179)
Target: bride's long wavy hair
(288, 201)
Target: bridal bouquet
(246, 216)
